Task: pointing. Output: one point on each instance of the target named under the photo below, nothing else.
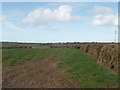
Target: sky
(59, 21)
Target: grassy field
(84, 69)
(13, 57)
(77, 64)
(13, 44)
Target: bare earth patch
(37, 74)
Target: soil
(37, 74)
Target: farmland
(80, 68)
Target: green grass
(84, 69)
(77, 64)
(13, 57)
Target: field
(80, 68)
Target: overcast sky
(59, 22)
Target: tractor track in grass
(44, 73)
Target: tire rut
(37, 74)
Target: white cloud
(63, 13)
(105, 20)
(102, 10)
(104, 17)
